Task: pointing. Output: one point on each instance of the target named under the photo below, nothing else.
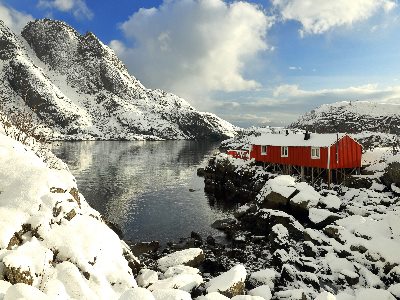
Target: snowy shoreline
(270, 254)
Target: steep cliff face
(79, 87)
(352, 117)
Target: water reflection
(144, 186)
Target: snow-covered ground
(322, 244)
(50, 238)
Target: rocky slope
(77, 86)
(307, 242)
(352, 117)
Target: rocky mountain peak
(78, 86)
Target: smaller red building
(325, 151)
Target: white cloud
(194, 47)
(14, 19)
(77, 7)
(318, 16)
(285, 103)
(293, 68)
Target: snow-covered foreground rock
(50, 238)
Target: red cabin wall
(349, 154)
(298, 156)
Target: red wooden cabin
(325, 151)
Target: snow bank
(50, 238)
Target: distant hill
(81, 89)
(352, 117)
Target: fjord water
(145, 187)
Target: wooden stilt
(312, 176)
(302, 173)
(329, 178)
(344, 176)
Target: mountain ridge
(351, 117)
(78, 86)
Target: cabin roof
(316, 140)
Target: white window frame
(315, 153)
(266, 150)
(284, 151)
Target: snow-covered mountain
(352, 117)
(78, 87)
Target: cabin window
(284, 151)
(264, 150)
(315, 153)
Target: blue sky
(254, 62)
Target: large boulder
(268, 218)
(184, 282)
(274, 200)
(230, 283)
(305, 199)
(191, 257)
(358, 182)
(264, 277)
(392, 174)
(322, 217)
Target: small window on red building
(315, 153)
(284, 151)
(264, 150)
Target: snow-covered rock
(47, 233)
(230, 283)
(264, 277)
(213, 296)
(24, 291)
(331, 201)
(373, 294)
(146, 277)
(180, 269)
(395, 290)
(137, 294)
(263, 291)
(171, 294)
(325, 296)
(247, 297)
(184, 282)
(189, 257)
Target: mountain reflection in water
(144, 186)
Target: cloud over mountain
(194, 47)
(77, 7)
(14, 19)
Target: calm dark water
(144, 186)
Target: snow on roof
(316, 140)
